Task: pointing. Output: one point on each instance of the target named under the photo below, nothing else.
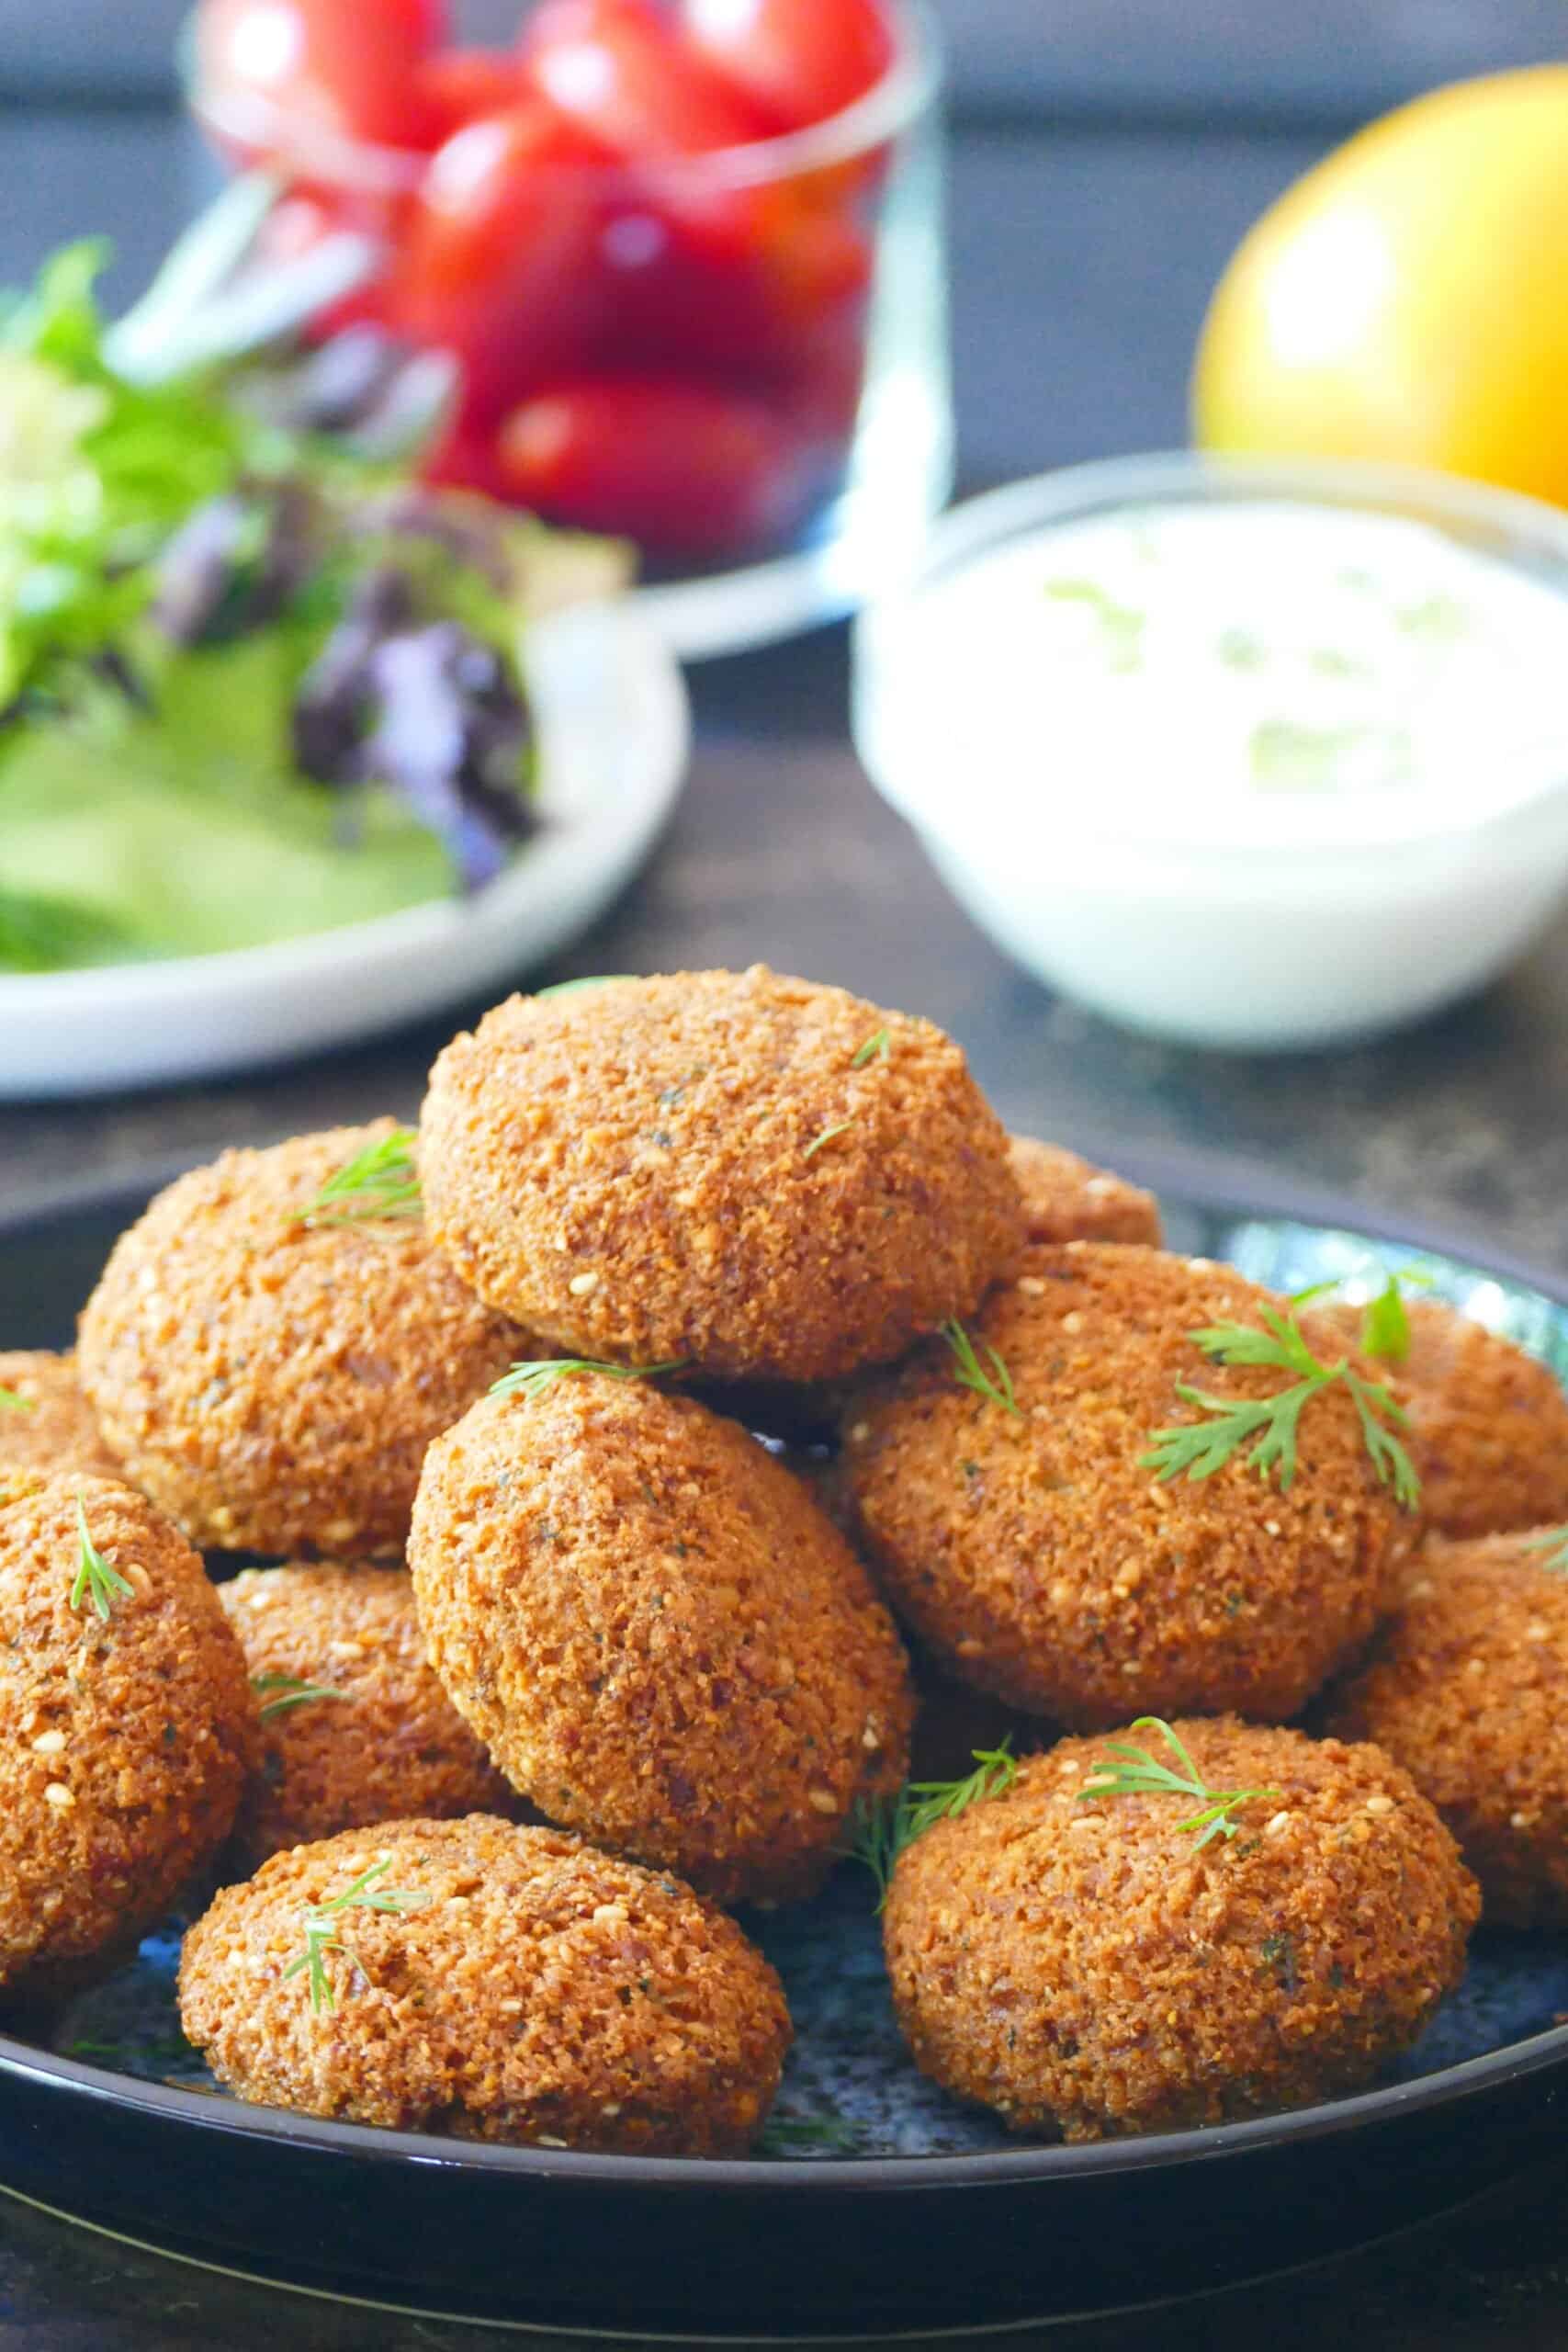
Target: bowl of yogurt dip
(1249, 754)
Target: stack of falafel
(643, 1665)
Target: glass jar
(738, 358)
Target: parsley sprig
(538, 1379)
(378, 1181)
(96, 1584)
(1140, 1774)
(10, 1402)
(291, 1692)
(995, 1384)
(321, 1925)
(1385, 1321)
(880, 1829)
(1197, 1449)
(878, 1046)
(1554, 1544)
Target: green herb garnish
(96, 1584)
(320, 1923)
(1295, 758)
(995, 1385)
(826, 1137)
(1140, 1774)
(1554, 1544)
(782, 2134)
(879, 1831)
(878, 1046)
(570, 988)
(1197, 1450)
(10, 1402)
(538, 1379)
(379, 1181)
(1122, 627)
(291, 1692)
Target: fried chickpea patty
(49, 1424)
(271, 1385)
(660, 1639)
(124, 1738)
(384, 1743)
(1038, 1554)
(1087, 1969)
(722, 1169)
(1465, 1688)
(525, 1988)
(1488, 1422)
(1068, 1199)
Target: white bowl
(1328, 919)
(614, 731)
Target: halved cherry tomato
(348, 66)
(500, 262)
(463, 84)
(796, 60)
(619, 69)
(685, 469)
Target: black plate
(885, 2207)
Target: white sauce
(1204, 655)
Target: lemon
(1408, 298)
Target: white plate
(615, 736)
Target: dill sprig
(878, 1046)
(826, 1137)
(538, 1379)
(570, 987)
(291, 1692)
(10, 1402)
(995, 1385)
(1198, 1449)
(96, 1584)
(1554, 1544)
(379, 1181)
(881, 1828)
(1140, 1774)
(321, 1925)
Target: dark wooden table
(1082, 259)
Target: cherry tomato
(348, 66)
(796, 60)
(684, 469)
(619, 69)
(500, 262)
(462, 83)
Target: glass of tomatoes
(688, 254)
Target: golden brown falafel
(540, 1992)
(1488, 1422)
(1087, 1968)
(127, 1724)
(272, 1384)
(1038, 1554)
(660, 1639)
(1465, 1688)
(723, 1169)
(1068, 1199)
(49, 1426)
(386, 1744)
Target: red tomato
(684, 470)
(797, 60)
(499, 263)
(618, 68)
(299, 222)
(348, 66)
(462, 83)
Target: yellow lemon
(1408, 298)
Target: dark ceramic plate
(878, 2205)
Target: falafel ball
(273, 1383)
(755, 1177)
(127, 1724)
(46, 1423)
(1464, 1688)
(1488, 1421)
(660, 1639)
(356, 1728)
(1034, 1549)
(1068, 1199)
(1090, 1969)
(524, 1988)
